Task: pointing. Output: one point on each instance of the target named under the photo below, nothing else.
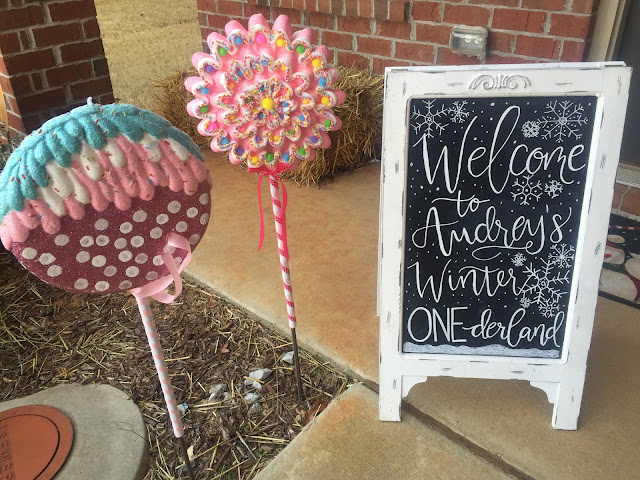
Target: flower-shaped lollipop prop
(106, 199)
(265, 95)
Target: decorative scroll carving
(494, 82)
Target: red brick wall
(51, 57)
(373, 34)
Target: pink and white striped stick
(283, 250)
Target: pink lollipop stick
(281, 234)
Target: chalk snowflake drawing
(429, 119)
(518, 259)
(553, 188)
(531, 129)
(562, 120)
(548, 308)
(562, 255)
(525, 302)
(458, 113)
(526, 190)
(544, 286)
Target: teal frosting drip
(61, 137)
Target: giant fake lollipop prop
(107, 199)
(266, 98)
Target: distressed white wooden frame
(561, 379)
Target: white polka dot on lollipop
(157, 260)
(174, 207)
(46, 259)
(125, 256)
(98, 261)
(162, 219)
(192, 212)
(132, 271)
(155, 233)
(81, 284)
(126, 227)
(110, 271)
(29, 253)
(193, 239)
(54, 270)
(137, 241)
(102, 240)
(181, 227)
(86, 241)
(204, 219)
(140, 216)
(61, 240)
(204, 198)
(141, 258)
(152, 276)
(83, 257)
(120, 243)
(102, 286)
(125, 285)
(101, 224)
(178, 260)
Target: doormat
(620, 277)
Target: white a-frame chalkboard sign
(497, 184)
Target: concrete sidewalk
(333, 243)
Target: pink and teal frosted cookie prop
(87, 202)
(107, 199)
(266, 95)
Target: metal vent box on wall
(496, 187)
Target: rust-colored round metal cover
(34, 442)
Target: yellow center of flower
(267, 103)
(317, 63)
(325, 101)
(280, 42)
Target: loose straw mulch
(356, 143)
(49, 337)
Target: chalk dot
(46, 259)
(126, 227)
(83, 257)
(162, 219)
(61, 240)
(142, 258)
(140, 216)
(137, 241)
(152, 276)
(98, 261)
(156, 233)
(157, 260)
(193, 239)
(124, 285)
(174, 207)
(204, 198)
(54, 270)
(120, 243)
(86, 241)
(192, 212)
(102, 240)
(81, 284)
(204, 219)
(101, 224)
(29, 253)
(181, 227)
(101, 286)
(132, 272)
(110, 271)
(125, 256)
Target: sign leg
(390, 398)
(567, 405)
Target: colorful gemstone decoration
(269, 94)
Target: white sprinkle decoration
(137, 241)
(46, 259)
(61, 240)
(101, 224)
(83, 257)
(81, 284)
(126, 284)
(181, 227)
(157, 260)
(86, 241)
(156, 233)
(174, 207)
(193, 239)
(140, 216)
(125, 256)
(142, 258)
(152, 276)
(101, 286)
(162, 219)
(192, 212)
(29, 253)
(204, 198)
(102, 240)
(132, 272)
(98, 261)
(126, 227)
(110, 271)
(120, 243)
(54, 270)
(204, 219)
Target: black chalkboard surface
(494, 196)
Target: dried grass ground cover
(49, 337)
